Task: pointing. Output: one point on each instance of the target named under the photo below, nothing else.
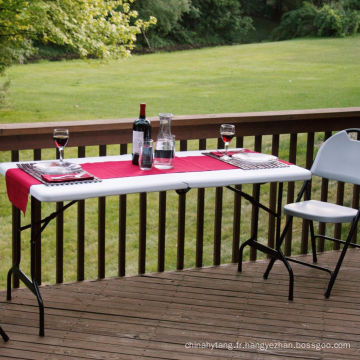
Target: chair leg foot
(4, 335)
(291, 276)
(269, 267)
(241, 251)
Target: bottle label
(138, 140)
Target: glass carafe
(165, 144)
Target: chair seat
(320, 211)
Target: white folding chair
(337, 159)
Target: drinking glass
(61, 138)
(165, 153)
(227, 132)
(146, 155)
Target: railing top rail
(19, 136)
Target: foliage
(329, 19)
(193, 22)
(4, 89)
(296, 23)
(215, 21)
(97, 28)
(168, 14)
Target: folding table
(181, 182)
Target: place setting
(58, 172)
(244, 159)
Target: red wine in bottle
(141, 131)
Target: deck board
(154, 316)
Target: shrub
(4, 89)
(330, 21)
(296, 23)
(216, 21)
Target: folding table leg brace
(275, 254)
(31, 284)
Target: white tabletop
(163, 182)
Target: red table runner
(18, 182)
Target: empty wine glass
(61, 138)
(227, 132)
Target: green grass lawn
(298, 74)
(295, 74)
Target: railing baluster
(217, 225)
(59, 240)
(305, 223)
(340, 201)
(200, 218)
(36, 208)
(272, 196)
(355, 205)
(122, 226)
(255, 209)
(181, 221)
(101, 227)
(218, 218)
(81, 230)
(161, 231)
(323, 197)
(59, 244)
(355, 201)
(237, 213)
(290, 192)
(142, 233)
(16, 234)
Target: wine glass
(227, 132)
(61, 138)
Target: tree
(168, 14)
(215, 21)
(97, 28)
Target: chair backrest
(339, 158)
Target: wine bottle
(141, 131)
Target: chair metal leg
(313, 241)
(291, 275)
(342, 255)
(278, 246)
(4, 335)
(269, 267)
(241, 251)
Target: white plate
(52, 167)
(254, 157)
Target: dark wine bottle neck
(142, 111)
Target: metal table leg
(275, 254)
(32, 284)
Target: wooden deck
(180, 315)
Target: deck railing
(280, 129)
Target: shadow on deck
(180, 315)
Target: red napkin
(67, 177)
